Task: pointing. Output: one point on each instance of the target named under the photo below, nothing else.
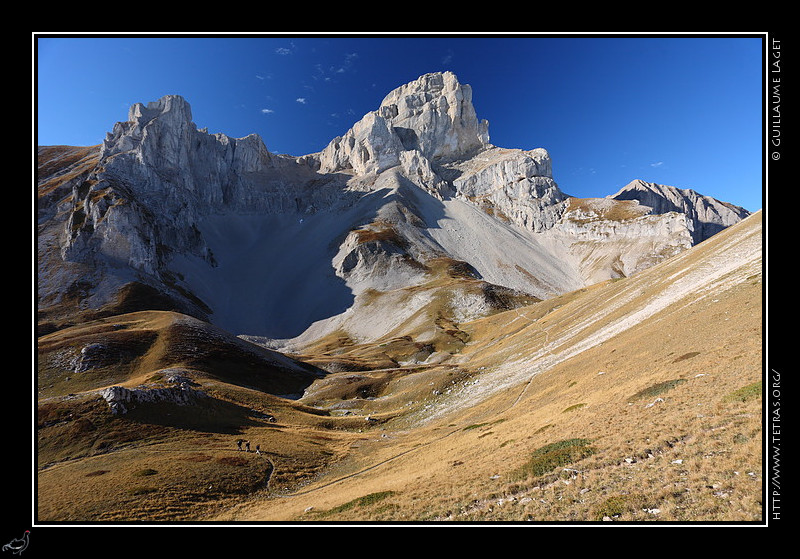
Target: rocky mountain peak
(707, 215)
(174, 107)
(270, 244)
(432, 116)
(170, 115)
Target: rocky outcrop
(515, 185)
(708, 215)
(167, 160)
(432, 116)
(180, 391)
(612, 239)
(377, 257)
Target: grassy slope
(667, 415)
(661, 421)
(164, 461)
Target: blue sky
(679, 110)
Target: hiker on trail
(258, 449)
(247, 446)
(239, 443)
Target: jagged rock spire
(432, 115)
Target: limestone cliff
(708, 215)
(431, 117)
(269, 244)
(613, 239)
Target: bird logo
(18, 545)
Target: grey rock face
(159, 175)
(612, 239)
(377, 258)
(163, 189)
(120, 400)
(515, 185)
(708, 215)
(432, 115)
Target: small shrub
(573, 408)
(549, 457)
(740, 438)
(656, 389)
(686, 356)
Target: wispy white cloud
(349, 59)
(325, 74)
(283, 51)
(267, 111)
(657, 164)
(301, 100)
(447, 58)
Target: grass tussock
(574, 407)
(656, 389)
(746, 393)
(546, 459)
(363, 502)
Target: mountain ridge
(159, 181)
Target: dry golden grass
(64, 163)
(696, 456)
(380, 232)
(607, 209)
(526, 421)
(673, 420)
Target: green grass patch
(686, 356)
(479, 425)
(573, 408)
(656, 389)
(364, 501)
(549, 457)
(139, 491)
(745, 393)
